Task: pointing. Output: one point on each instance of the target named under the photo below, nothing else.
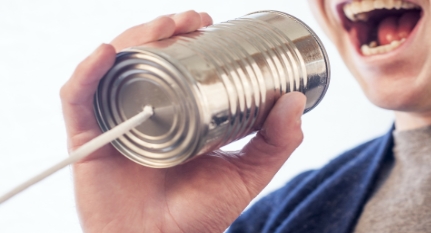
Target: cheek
(346, 51)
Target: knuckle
(192, 13)
(193, 16)
(160, 28)
(264, 143)
(163, 21)
(64, 92)
(80, 68)
(299, 138)
(206, 19)
(190, 18)
(279, 140)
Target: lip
(378, 58)
(336, 3)
(397, 52)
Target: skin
(399, 80)
(206, 194)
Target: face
(387, 46)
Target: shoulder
(279, 204)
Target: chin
(401, 95)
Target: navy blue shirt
(330, 199)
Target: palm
(206, 194)
(177, 194)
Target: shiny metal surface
(210, 87)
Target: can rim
(131, 154)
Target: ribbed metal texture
(210, 87)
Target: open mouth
(380, 26)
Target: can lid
(138, 79)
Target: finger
(280, 135)
(185, 22)
(206, 19)
(77, 94)
(160, 28)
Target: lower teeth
(372, 48)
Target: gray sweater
(401, 202)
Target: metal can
(210, 87)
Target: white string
(85, 150)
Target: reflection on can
(210, 87)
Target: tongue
(406, 24)
(394, 28)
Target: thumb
(280, 135)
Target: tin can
(210, 87)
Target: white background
(42, 41)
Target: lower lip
(394, 53)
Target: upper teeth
(354, 10)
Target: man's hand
(206, 194)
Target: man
(210, 192)
(383, 185)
